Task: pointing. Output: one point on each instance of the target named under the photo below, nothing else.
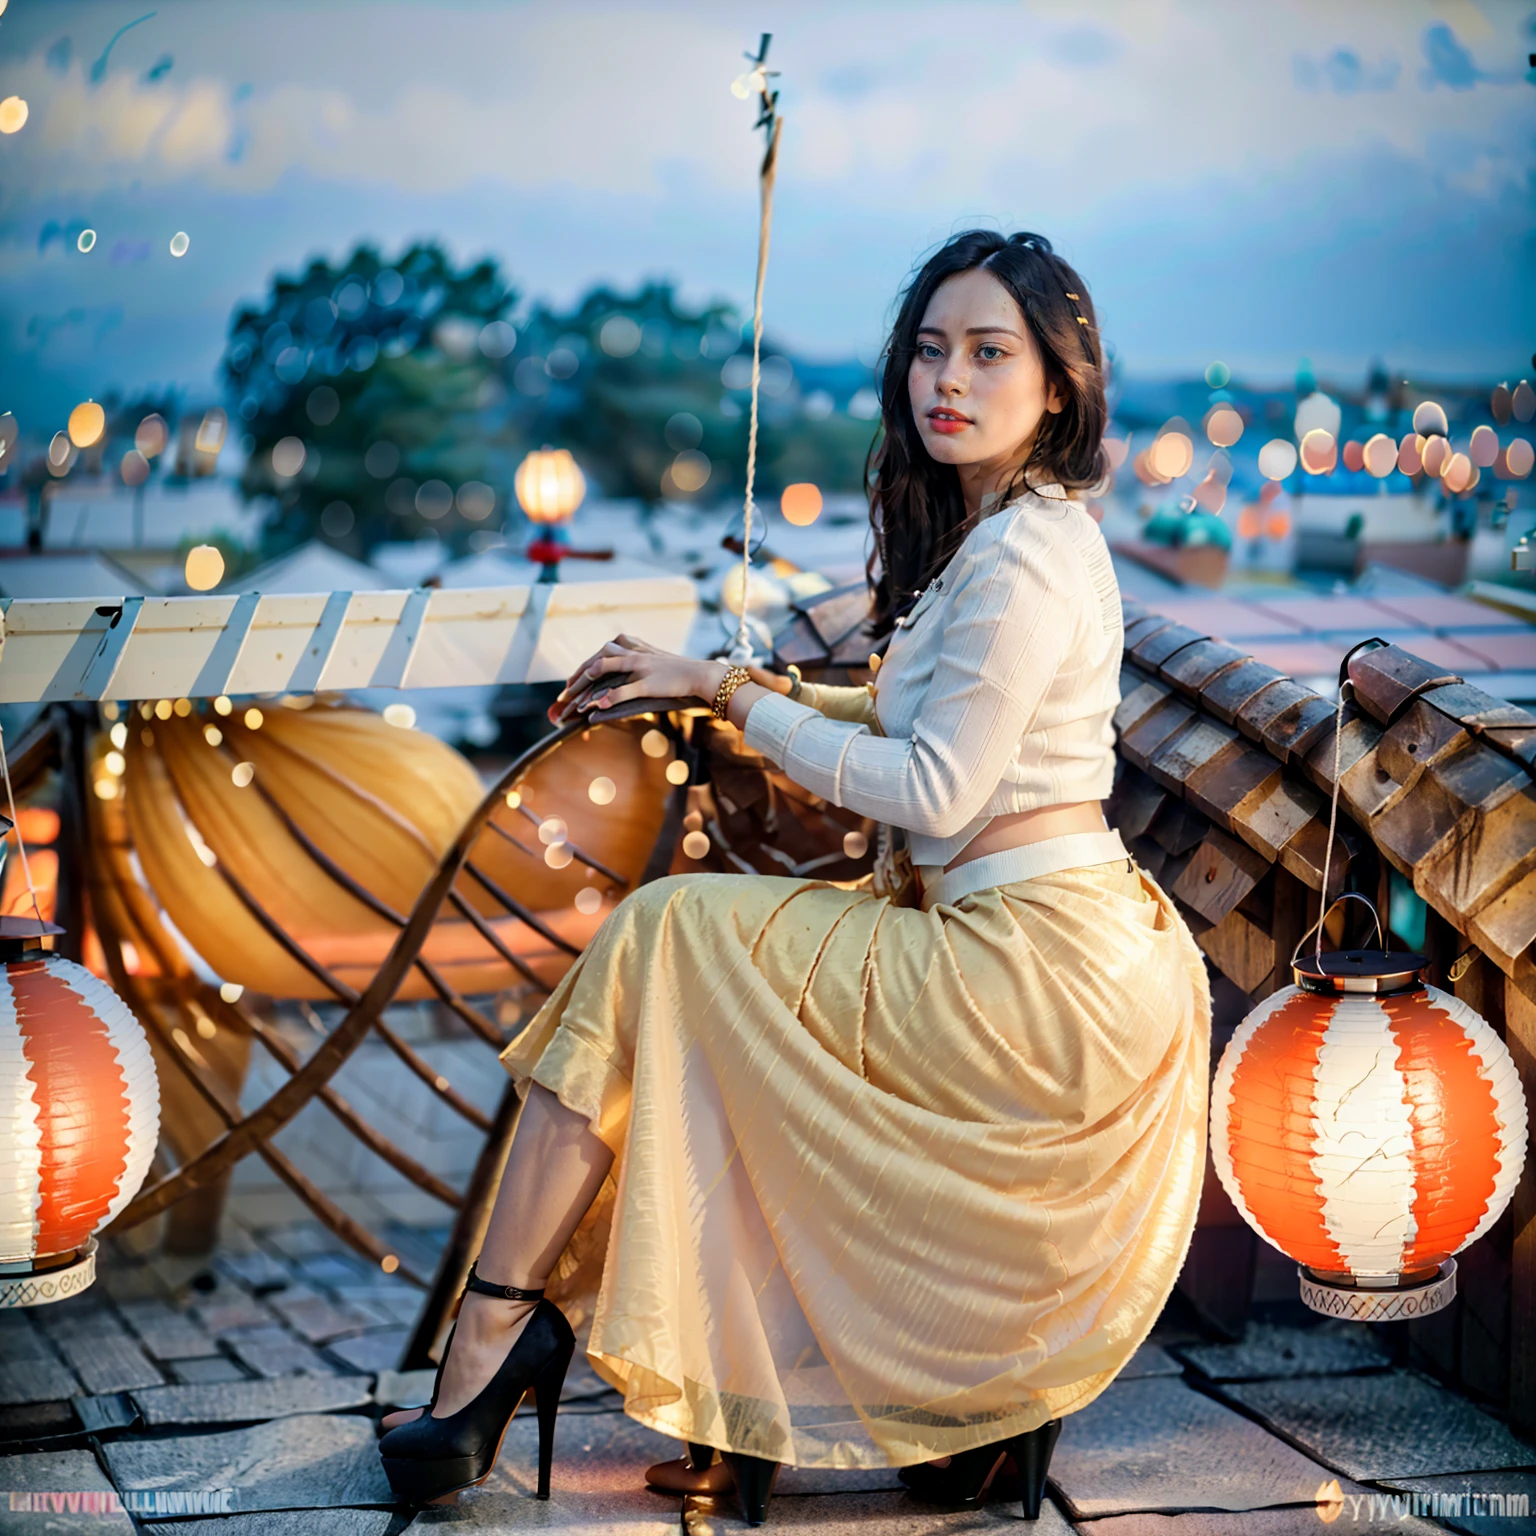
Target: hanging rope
(21, 842)
(741, 652)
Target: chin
(947, 450)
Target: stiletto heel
(701, 1457)
(754, 1484)
(965, 1481)
(431, 1458)
(1032, 1455)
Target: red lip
(945, 420)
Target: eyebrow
(975, 330)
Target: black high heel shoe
(431, 1457)
(964, 1482)
(754, 1483)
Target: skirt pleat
(889, 1184)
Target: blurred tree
(379, 401)
(627, 383)
(370, 397)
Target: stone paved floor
(240, 1396)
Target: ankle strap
(506, 1292)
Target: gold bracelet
(733, 679)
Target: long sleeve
(1014, 614)
(856, 705)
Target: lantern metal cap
(1360, 970)
(19, 934)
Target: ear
(1055, 400)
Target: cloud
(1447, 62)
(1345, 73)
(1084, 47)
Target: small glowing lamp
(549, 487)
(85, 1116)
(86, 424)
(205, 567)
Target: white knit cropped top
(995, 695)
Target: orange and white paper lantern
(1369, 1137)
(79, 1118)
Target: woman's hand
(651, 674)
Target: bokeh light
(86, 241)
(602, 790)
(212, 735)
(337, 520)
(677, 771)
(588, 900)
(86, 424)
(242, 774)
(1319, 452)
(1522, 403)
(180, 243)
(558, 855)
(1218, 375)
(323, 405)
(210, 432)
(1277, 459)
(1172, 455)
(855, 844)
(683, 430)
(1250, 521)
(434, 499)
(655, 744)
(287, 457)
(497, 339)
(1429, 419)
(1484, 447)
(801, 504)
(1410, 454)
(1380, 456)
(151, 435)
(13, 114)
(1435, 455)
(1520, 458)
(476, 500)
(204, 568)
(223, 705)
(696, 844)
(134, 468)
(1277, 525)
(619, 336)
(402, 716)
(1457, 476)
(1354, 455)
(1223, 426)
(553, 830)
(689, 472)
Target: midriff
(1018, 828)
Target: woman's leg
(555, 1168)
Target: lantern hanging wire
(768, 119)
(21, 842)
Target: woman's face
(977, 382)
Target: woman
(892, 1184)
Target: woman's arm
(1013, 620)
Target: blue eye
(927, 349)
(994, 351)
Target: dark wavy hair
(916, 509)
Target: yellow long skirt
(889, 1183)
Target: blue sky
(1253, 182)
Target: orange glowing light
(549, 485)
(801, 504)
(1250, 522)
(1354, 456)
(86, 424)
(1278, 524)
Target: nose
(953, 379)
